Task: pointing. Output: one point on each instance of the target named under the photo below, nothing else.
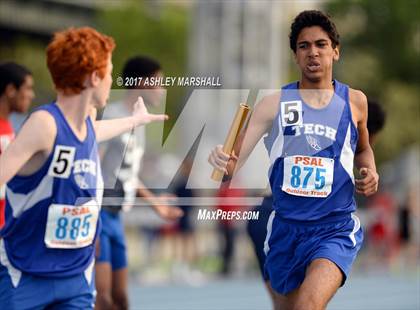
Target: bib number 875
(296, 179)
(74, 230)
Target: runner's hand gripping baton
(238, 124)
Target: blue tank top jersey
(311, 153)
(52, 215)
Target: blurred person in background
(185, 243)
(376, 120)
(257, 231)
(16, 95)
(121, 160)
(379, 210)
(409, 228)
(228, 227)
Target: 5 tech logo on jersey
(291, 113)
(63, 164)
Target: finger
(368, 183)
(360, 188)
(372, 183)
(372, 191)
(139, 104)
(220, 158)
(158, 117)
(220, 162)
(220, 153)
(220, 167)
(366, 180)
(367, 191)
(360, 184)
(212, 161)
(140, 101)
(365, 187)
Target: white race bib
(308, 176)
(70, 227)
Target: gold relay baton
(235, 128)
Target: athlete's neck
(316, 94)
(76, 109)
(4, 108)
(325, 84)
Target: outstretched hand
(142, 117)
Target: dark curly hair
(309, 19)
(12, 73)
(376, 117)
(140, 66)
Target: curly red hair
(75, 53)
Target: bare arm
(160, 203)
(259, 124)
(364, 158)
(107, 129)
(37, 135)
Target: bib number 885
(74, 230)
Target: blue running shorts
(112, 248)
(20, 291)
(291, 246)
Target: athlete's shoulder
(358, 99)
(42, 123)
(43, 118)
(358, 102)
(268, 106)
(357, 95)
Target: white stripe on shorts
(14, 273)
(268, 235)
(356, 227)
(89, 272)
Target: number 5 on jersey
(291, 113)
(62, 161)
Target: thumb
(363, 172)
(139, 104)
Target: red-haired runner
(54, 180)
